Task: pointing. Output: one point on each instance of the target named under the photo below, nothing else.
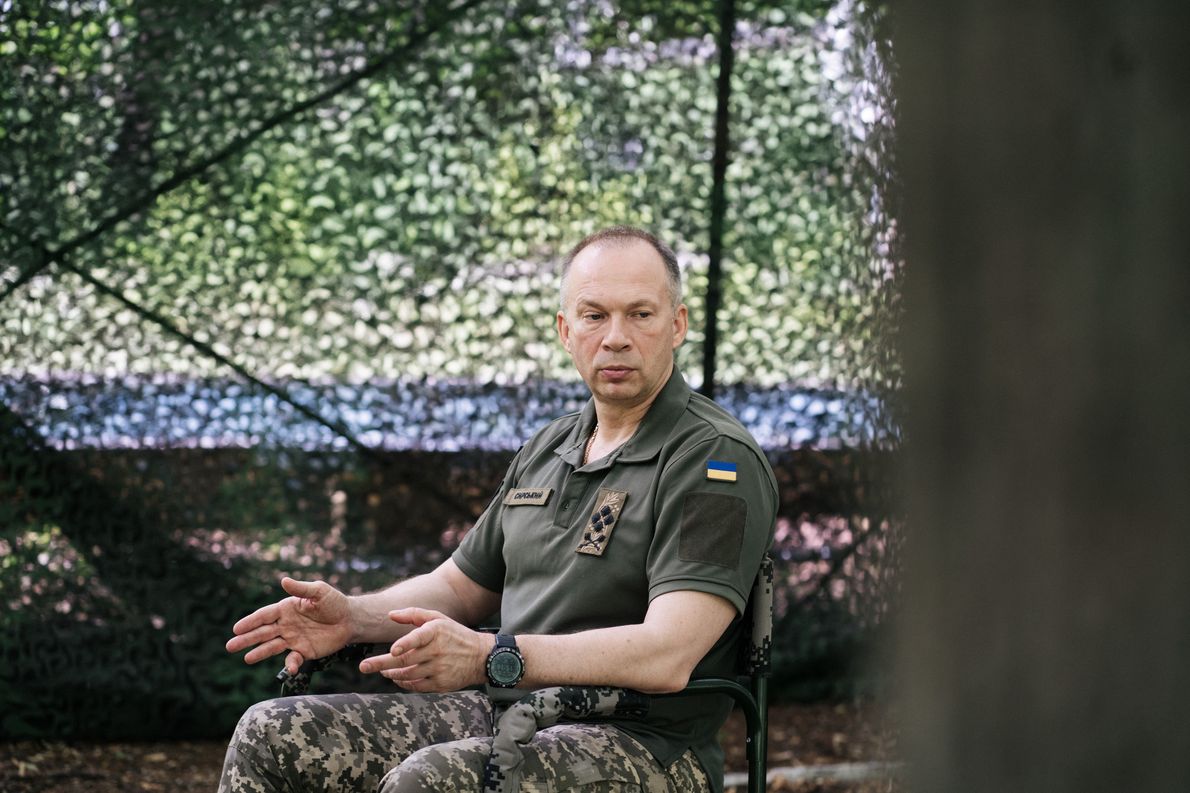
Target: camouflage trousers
(397, 743)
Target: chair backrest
(758, 650)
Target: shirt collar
(646, 442)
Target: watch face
(505, 668)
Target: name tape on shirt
(528, 496)
(720, 471)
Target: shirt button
(567, 504)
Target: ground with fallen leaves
(815, 734)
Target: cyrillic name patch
(598, 531)
(528, 496)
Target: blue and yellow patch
(720, 471)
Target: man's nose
(616, 336)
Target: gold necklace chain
(590, 443)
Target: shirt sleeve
(481, 553)
(716, 509)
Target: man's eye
(591, 316)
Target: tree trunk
(1047, 189)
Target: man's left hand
(438, 655)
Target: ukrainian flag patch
(720, 471)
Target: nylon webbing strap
(544, 708)
(296, 685)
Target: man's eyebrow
(635, 305)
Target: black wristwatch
(506, 665)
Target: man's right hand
(313, 622)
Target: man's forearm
(369, 613)
(445, 589)
(655, 656)
(624, 656)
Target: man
(618, 551)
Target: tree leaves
(484, 157)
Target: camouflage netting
(277, 288)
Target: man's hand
(438, 655)
(313, 622)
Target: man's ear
(681, 325)
(563, 331)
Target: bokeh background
(277, 293)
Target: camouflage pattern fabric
(343, 742)
(543, 708)
(398, 743)
(759, 648)
(591, 758)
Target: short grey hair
(620, 235)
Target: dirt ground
(799, 735)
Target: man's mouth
(615, 372)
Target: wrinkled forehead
(620, 267)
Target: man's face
(618, 323)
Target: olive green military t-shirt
(688, 503)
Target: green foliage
(409, 224)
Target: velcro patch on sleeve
(712, 529)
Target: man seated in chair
(619, 551)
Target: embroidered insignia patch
(528, 496)
(720, 471)
(598, 531)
